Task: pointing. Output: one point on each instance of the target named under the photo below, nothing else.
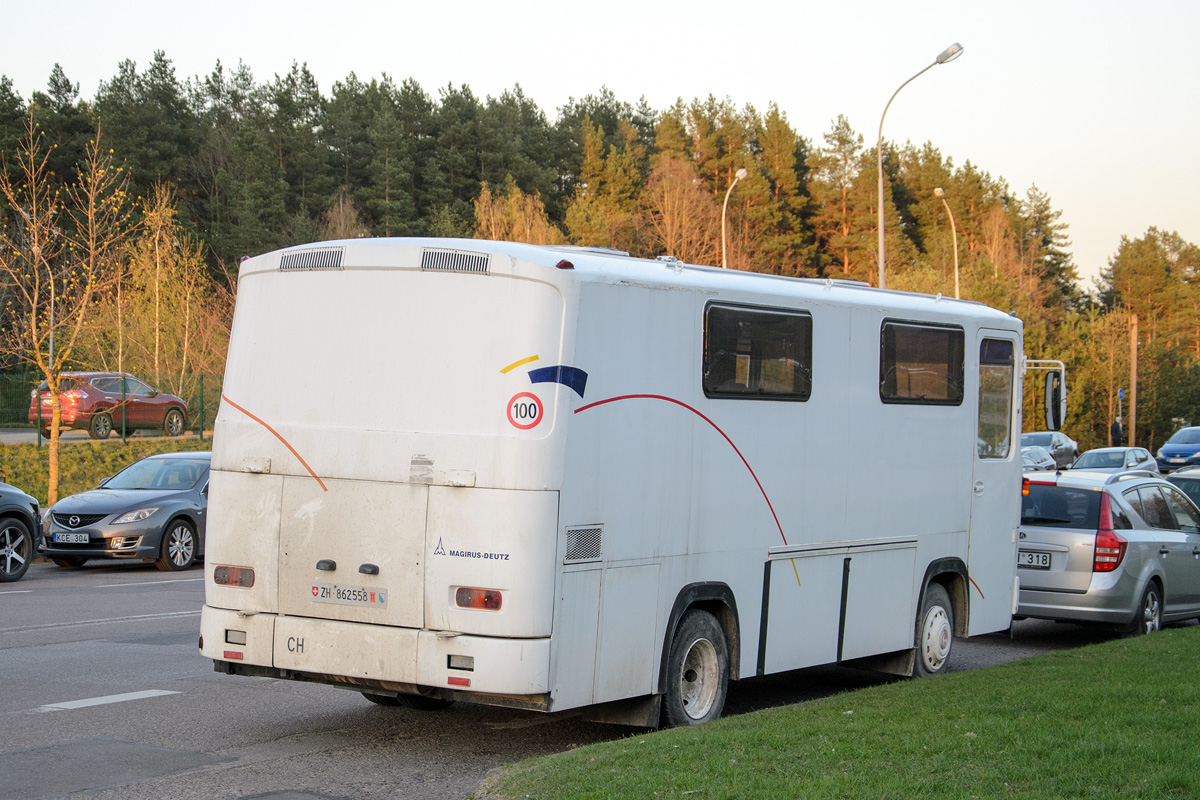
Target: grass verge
(82, 465)
(1104, 721)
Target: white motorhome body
(525, 475)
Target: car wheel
(178, 546)
(697, 671)
(416, 702)
(1148, 618)
(101, 426)
(935, 632)
(173, 423)
(69, 562)
(16, 549)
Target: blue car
(1181, 450)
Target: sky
(1094, 102)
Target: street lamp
(954, 230)
(945, 57)
(741, 173)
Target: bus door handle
(327, 564)
(978, 487)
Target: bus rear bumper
(375, 655)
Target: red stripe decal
(275, 433)
(714, 427)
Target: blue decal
(571, 377)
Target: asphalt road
(29, 435)
(105, 696)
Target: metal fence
(201, 393)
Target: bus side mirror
(1056, 400)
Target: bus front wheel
(935, 632)
(697, 671)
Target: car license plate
(1178, 460)
(348, 595)
(70, 538)
(1032, 559)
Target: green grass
(1112, 720)
(82, 465)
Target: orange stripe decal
(275, 433)
(976, 585)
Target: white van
(554, 477)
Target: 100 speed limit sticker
(525, 411)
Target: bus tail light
(1110, 545)
(233, 576)
(486, 599)
(1024, 487)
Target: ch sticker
(524, 411)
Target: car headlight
(135, 516)
(1160, 455)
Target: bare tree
(58, 250)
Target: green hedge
(82, 465)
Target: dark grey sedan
(153, 510)
(18, 529)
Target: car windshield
(1112, 458)
(1040, 439)
(1060, 507)
(160, 473)
(1185, 436)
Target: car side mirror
(103, 481)
(1056, 400)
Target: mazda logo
(73, 521)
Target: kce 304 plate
(348, 595)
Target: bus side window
(757, 353)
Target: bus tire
(935, 632)
(416, 702)
(697, 671)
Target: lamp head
(950, 53)
(938, 192)
(741, 173)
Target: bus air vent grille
(328, 258)
(583, 544)
(455, 261)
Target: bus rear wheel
(697, 671)
(416, 702)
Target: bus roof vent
(454, 261)
(313, 258)
(584, 544)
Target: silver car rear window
(1061, 507)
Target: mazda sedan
(153, 510)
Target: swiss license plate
(70, 538)
(348, 595)
(1178, 460)
(1033, 559)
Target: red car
(97, 403)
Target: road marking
(100, 701)
(147, 583)
(18, 591)
(50, 625)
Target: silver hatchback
(1118, 549)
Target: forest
(128, 213)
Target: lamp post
(741, 173)
(946, 56)
(954, 230)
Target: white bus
(553, 477)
